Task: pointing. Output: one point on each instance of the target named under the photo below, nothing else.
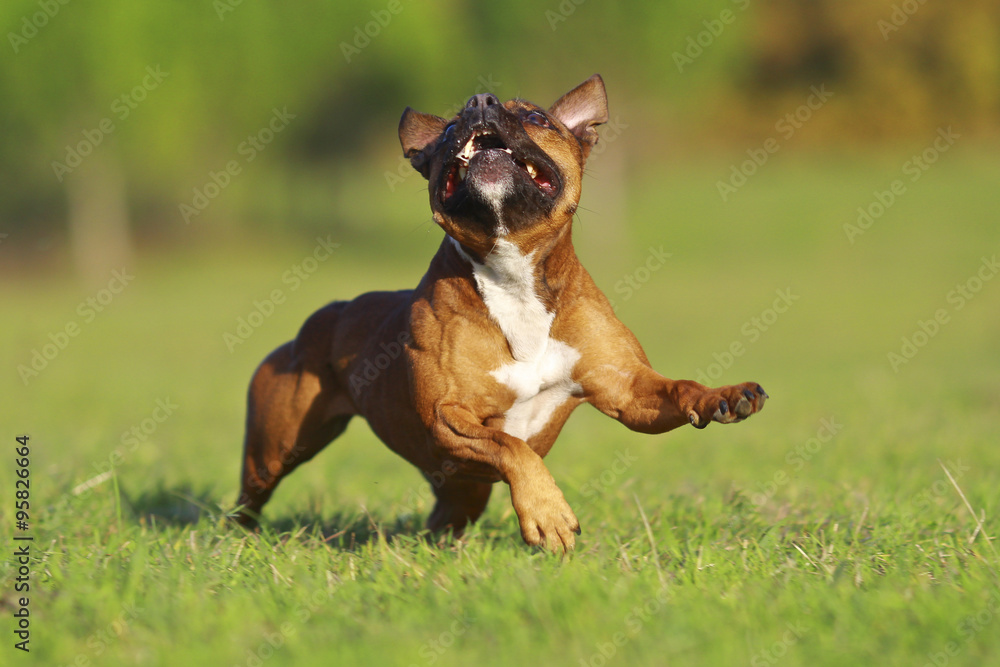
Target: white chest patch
(541, 373)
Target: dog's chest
(540, 374)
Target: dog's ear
(583, 108)
(416, 132)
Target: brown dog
(471, 375)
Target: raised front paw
(727, 405)
(546, 518)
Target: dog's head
(505, 169)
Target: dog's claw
(761, 392)
(696, 421)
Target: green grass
(862, 552)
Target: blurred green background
(115, 115)
(823, 175)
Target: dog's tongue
(542, 181)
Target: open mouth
(485, 140)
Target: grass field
(823, 531)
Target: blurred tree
(120, 106)
(900, 68)
(103, 96)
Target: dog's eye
(537, 119)
(448, 132)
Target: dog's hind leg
(459, 503)
(295, 408)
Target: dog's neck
(521, 290)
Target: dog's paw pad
(744, 408)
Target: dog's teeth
(461, 173)
(531, 169)
(469, 149)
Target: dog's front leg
(645, 401)
(545, 517)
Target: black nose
(481, 101)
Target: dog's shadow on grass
(186, 506)
(350, 530)
(165, 506)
